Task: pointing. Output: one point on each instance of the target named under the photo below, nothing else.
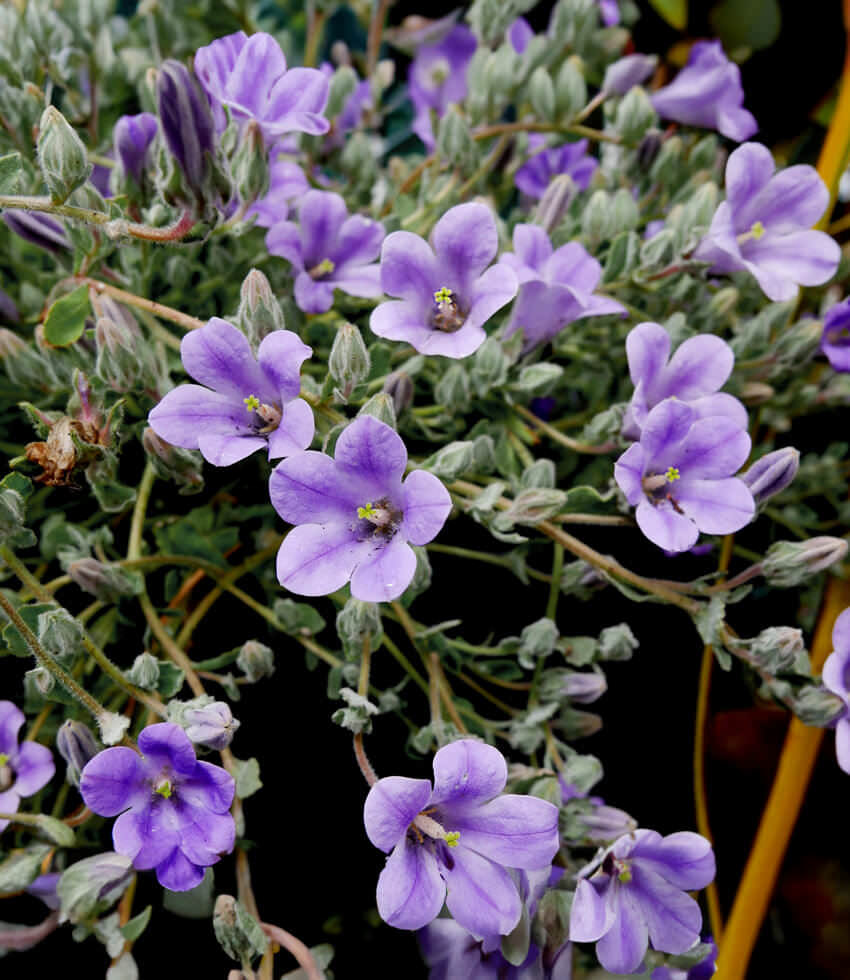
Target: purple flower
(38, 229)
(249, 76)
(571, 159)
(174, 810)
(437, 78)
(447, 293)
(132, 137)
(556, 286)
(355, 516)
(520, 34)
(212, 725)
(329, 249)
(836, 678)
(638, 895)
(835, 339)
(187, 123)
(458, 837)
(764, 225)
(624, 74)
(610, 12)
(286, 182)
(707, 92)
(25, 768)
(700, 366)
(680, 476)
(247, 404)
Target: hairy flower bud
(454, 140)
(570, 89)
(76, 743)
(10, 344)
(61, 155)
(145, 672)
(259, 310)
(184, 466)
(634, 116)
(579, 724)
(777, 648)
(342, 85)
(107, 582)
(541, 94)
(187, 123)
(355, 622)
(617, 642)
(817, 707)
(381, 407)
(255, 660)
(119, 356)
(90, 886)
(555, 202)
(622, 75)
(250, 164)
(348, 361)
(579, 578)
(212, 725)
(237, 931)
(583, 688)
(399, 386)
(772, 473)
(789, 563)
(597, 219)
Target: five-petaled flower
(449, 292)
(454, 842)
(250, 77)
(25, 767)
(836, 678)
(638, 894)
(835, 339)
(437, 78)
(329, 249)
(556, 286)
(248, 403)
(707, 92)
(679, 476)
(695, 373)
(765, 225)
(356, 518)
(174, 810)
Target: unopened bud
(348, 362)
(237, 931)
(635, 116)
(212, 725)
(173, 463)
(790, 563)
(555, 202)
(38, 229)
(250, 164)
(451, 461)
(187, 123)
(61, 155)
(607, 823)
(105, 581)
(570, 89)
(356, 622)
(118, 361)
(342, 85)
(596, 221)
(255, 660)
(583, 688)
(259, 310)
(132, 138)
(399, 386)
(541, 94)
(42, 679)
(90, 886)
(777, 648)
(454, 140)
(144, 673)
(617, 642)
(667, 165)
(817, 707)
(624, 74)
(381, 407)
(579, 724)
(76, 743)
(10, 344)
(772, 473)
(535, 505)
(580, 578)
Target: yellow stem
(836, 147)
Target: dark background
(315, 871)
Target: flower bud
(634, 116)
(399, 386)
(596, 221)
(61, 155)
(617, 642)
(38, 229)
(348, 362)
(237, 931)
(118, 348)
(255, 660)
(648, 149)
(777, 648)
(212, 725)
(132, 137)
(90, 886)
(667, 165)
(624, 211)
(356, 621)
(583, 688)
(342, 85)
(541, 94)
(772, 473)
(790, 563)
(579, 724)
(250, 164)
(817, 707)
(541, 473)
(454, 140)
(381, 407)
(187, 123)
(259, 311)
(105, 581)
(624, 74)
(489, 366)
(145, 672)
(580, 578)
(570, 89)
(76, 743)
(10, 344)
(184, 466)
(555, 202)
(607, 823)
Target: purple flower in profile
(437, 78)
(247, 403)
(695, 373)
(571, 159)
(707, 93)
(520, 34)
(25, 767)
(638, 895)
(679, 476)
(764, 225)
(187, 123)
(328, 249)
(836, 678)
(835, 339)
(624, 74)
(448, 292)
(555, 286)
(174, 810)
(132, 138)
(454, 842)
(356, 518)
(38, 229)
(286, 183)
(250, 77)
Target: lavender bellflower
(835, 339)
(25, 767)
(355, 517)
(764, 225)
(679, 476)
(174, 810)
(437, 78)
(449, 292)
(836, 678)
(248, 403)
(328, 249)
(638, 895)
(556, 286)
(571, 159)
(454, 842)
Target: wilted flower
(571, 159)
(764, 225)
(836, 678)
(174, 810)
(253, 403)
(356, 518)
(680, 476)
(707, 92)
(638, 895)
(454, 842)
(449, 292)
(835, 339)
(25, 767)
(556, 286)
(329, 249)
(437, 78)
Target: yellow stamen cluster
(443, 295)
(252, 403)
(3, 759)
(672, 474)
(164, 789)
(364, 513)
(757, 230)
(453, 838)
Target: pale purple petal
(11, 720)
(532, 245)
(178, 874)
(405, 320)
(385, 573)
(321, 215)
(664, 430)
(390, 808)
(284, 239)
(480, 895)
(224, 448)
(716, 506)
(359, 241)
(748, 170)
(590, 916)
(408, 268)
(111, 781)
(712, 449)
(841, 632)
(720, 405)
(188, 411)
(308, 488)
(809, 258)
(214, 62)
(700, 365)
(672, 917)
(34, 768)
(204, 836)
(465, 242)
(280, 356)
(258, 66)
(147, 836)
(736, 123)
(490, 292)
(685, 859)
(295, 432)
(572, 265)
(632, 70)
(426, 504)
(842, 744)
(628, 472)
(297, 102)
(359, 280)
(647, 351)
(9, 803)
(373, 450)
(313, 295)
(219, 356)
(516, 831)
(166, 744)
(622, 948)
(209, 787)
(317, 560)
(794, 198)
(665, 527)
(468, 773)
(410, 890)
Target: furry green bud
(349, 362)
(61, 155)
(259, 310)
(790, 563)
(541, 94)
(255, 660)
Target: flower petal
(385, 573)
(224, 448)
(259, 64)
(147, 836)
(468, 773)
(713, 448)
(672, 917)
(685, 859)
(489, 293)
(318, 560)
(748, 170)
(465, 242)
(480, 895)
(665, 527)
(716, 506)
(167, 745)
(205, 837)
(390, 808)
(793, 200)
(297, 102)
(809, 258)
(11, 720)
(359, 280)
(321, 216)
(219, 356)
(628, 472)
(34, 768)
(664, 431)
(295, 432)
(590, 916)
(700, 365)
(359, 241)
(177, 873)
(280, 356)
(113, 781)
(373, 451)
(284, 239)
(622, 948)
(842, 744)
(310, 488)
(532, 245)
(516, 831)
(647, 351)
(426, 505)
(313, 295)
(9, 803)
(408, 268)
(410, 890)
(209, 788)
(188, 411)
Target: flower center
(164, 788)
(267, 416)
(382, 516)
(617, 867)
(428, 826)
(837, 335)
(6, 774)
(657, 487)
(440, 71)
(756, 231)
(322, 269)
(447, 314)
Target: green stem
(557, 436)
(114, 227)
(137, 525)
(502, 560)
(555, 584)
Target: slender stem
(369, 773)
(376, 30)
(555, 584)
(315, 23)
(539, 127)
(301, 953)
(406, 665)
(114, 227)
(502, 560)
(137, 524)
(557, 436)
(434, 700)
(600, 520)
(157, 309)
(591, 106)
(169, 645)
